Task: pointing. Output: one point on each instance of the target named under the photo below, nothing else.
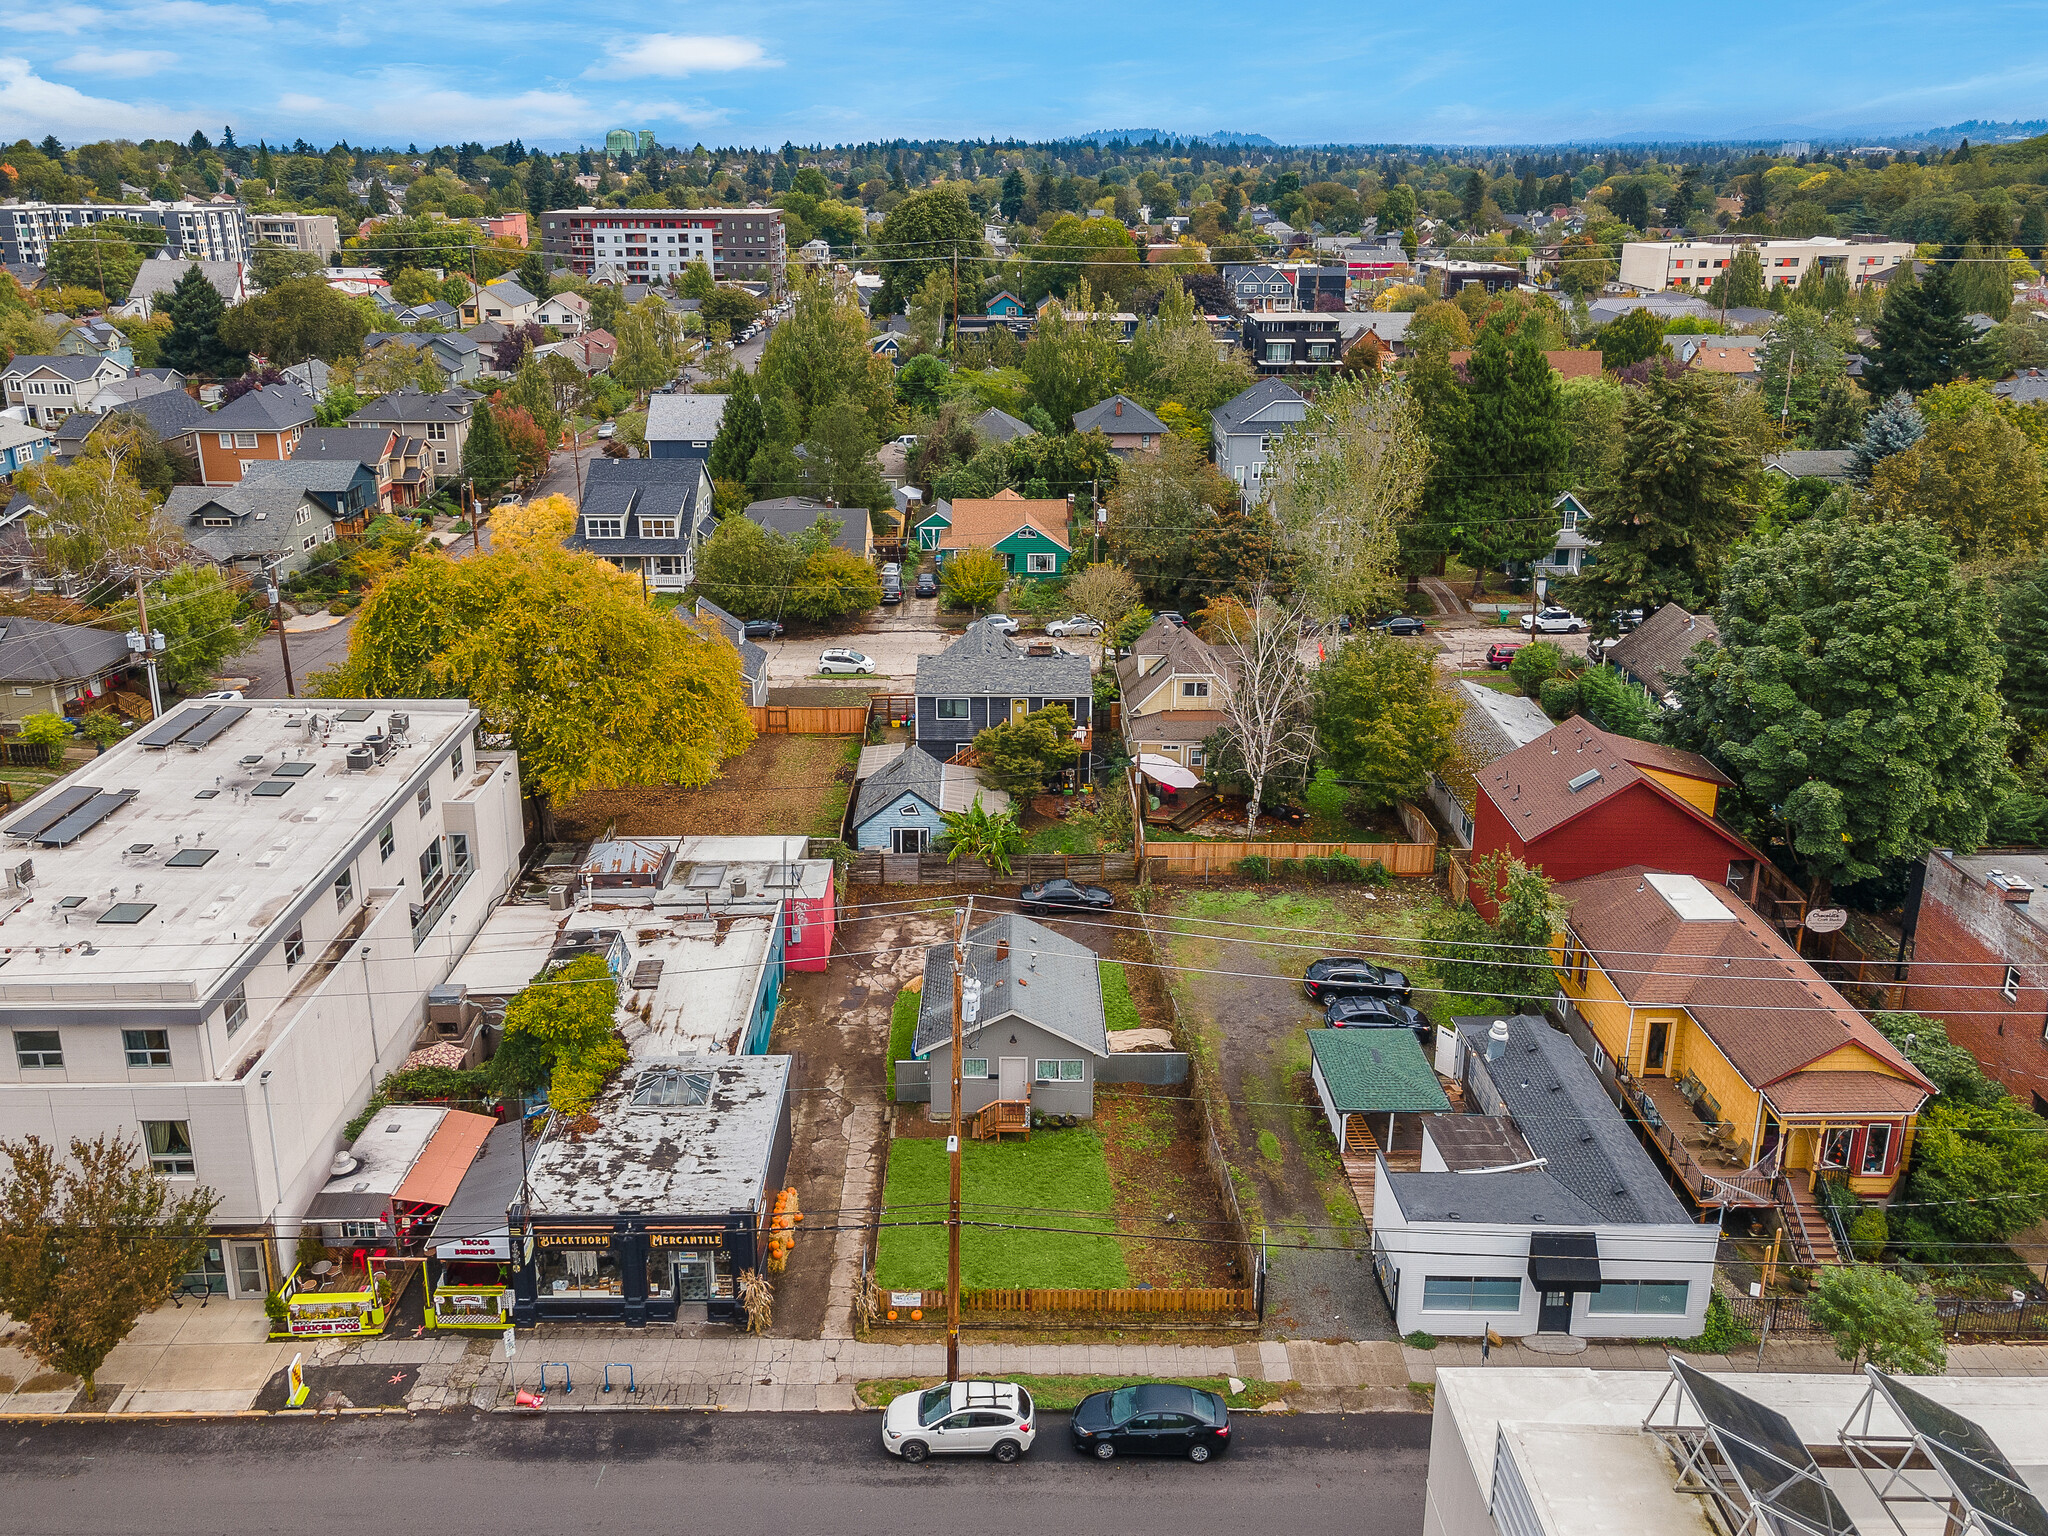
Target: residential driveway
(895, 640)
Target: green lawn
(1040, 1182)
(1064, 837)
(1118, 1011)
(902, 1032)
(1499, 682)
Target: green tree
(1635, 336)
(819, 355)
(921, 236)
(741, 431)
(839, 459)
(1023, 756)
(920, 381)
(733, 308)
(88, 1244)
(972, 579)
(1680, 506)
(567, 1018)
(1976, 477)
(695, 282)
(1584, 266)
(1853, 697)
(929, 309)
(107, 255)
(1157, 513)
(1500, 965)
(1072, 358)
(1741, 286)
(299, 318)
(1510, 456)
(1872, 1315)
(1893, 427)
(1384, 720)
(1923, 337)
(1173, 357)
(647, 355)
(1805, 357)
(1592, 411)
(561, 652)
(975, 834)
(271, 264)
(2023, 640)
(748, 570)
(195, 344)
(832, 584)
(197, 611)
(1095, 254)
(91, 519)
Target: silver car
(840, 659)
(1079, 624)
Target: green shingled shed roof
(1376, 1071)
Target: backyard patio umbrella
(1167, 772)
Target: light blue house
(898, 807)
(22, 445)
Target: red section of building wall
(807, 932)
(1958, 976)
(1637, 826)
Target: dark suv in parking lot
(1349, 976)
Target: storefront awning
(1564, 1261)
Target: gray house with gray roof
(985, 678)
(346, 487)
(646, 516)
(753, 659)
(901, 806)
(45, 668)
(1038, 1030)
(255, 528)
(1244, 429)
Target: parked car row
(999, 1419)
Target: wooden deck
(1711, 1168)
(1002, 1118)
(1360, 1147)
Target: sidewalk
(216, 1359)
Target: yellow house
(1172, 689)
(1738, 1058)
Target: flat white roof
(164, 896)
(509, 949)
(1691, 900)
(388, 1147)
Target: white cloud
(674, 54)
(67, 19)
(120, 63)
(173, 14)
(32, 106)
(408, 103)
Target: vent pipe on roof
(1496, 1039)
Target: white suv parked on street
(1554, 621)
(960, 1418)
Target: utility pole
(284, 648)
(146, 642)
(953, 351)
(953, 1158)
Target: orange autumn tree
(524, 437)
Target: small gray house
(753, 660)
(985, 678)
(1243, 430)
(1036, 1030)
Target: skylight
(128, 912)
(190, 858)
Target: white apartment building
(646, 245)
(219, 935)
(317, 233)
(1652, 266)
(205, 231)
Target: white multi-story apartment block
(316, 233)
(646, 245)
(1651, 266)
(204, 231)
(217, 937)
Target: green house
(1029, 537)
(932, 527)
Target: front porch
(1699, 1147)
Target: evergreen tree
(1745, 280)
(1838, 418)
(1680, 507)
(1924, 337)
(1980, 278)
(1014, 193)
(2034, 229)
(533, 274)
(742, 431)
(1892, 428)
(486, 457)
(2023, 636)
(1509, 459)
(193, 345)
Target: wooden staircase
(1003, 1117)
(1806, 1226)
(1360, 1171)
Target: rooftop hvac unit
(400, 724)
(445, 1003)
(360, 759)
(561, 898)
(21, 876)
(739, 886)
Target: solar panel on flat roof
(1969, 1459)
(1763, 1449)
(190, 858)
(85, 818)
(212, 726)
(177, 725)
(52, 810)
(353, 716)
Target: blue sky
(375, 71)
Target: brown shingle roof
(1566, 364)
(1187, 655)
(1851, 1093)
(1532, 785)
(1655, 650)
(1765, 1007)
(983, 524)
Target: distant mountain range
(1163, 135)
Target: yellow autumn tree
(596, 689)
(542, 523)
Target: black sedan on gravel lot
(1349, 976)
(1156, 1419)
(1378, 1013)
(760, 629)
(1065, 896)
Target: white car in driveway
(1553, 621)
(961, 1418)
(1079, 624)
(840, 659)
(1003, 622)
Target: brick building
(1980, 962)
(649, 245)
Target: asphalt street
(736, 1474)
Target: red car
(1498, 657)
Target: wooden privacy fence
(871, 866)
(791, 720)
(1205, 1299)
(1215, 858)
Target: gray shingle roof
(272, 409)
(1045, 978)
(987, 661)
(407, 407)
(1119, 415)
(265, 518)
(162, 274)
(637, 488)
(792, 515)
(914, 772)
(999, 426)
(1818, 463)
(73, 366)
(684, 418)
(36, 651)
(332, 475)
(365, 445)
(2028, 388)
(1655, 650)
(1528, 1198)
(1235, 412)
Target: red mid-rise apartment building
(1980, 962)
(649, 245)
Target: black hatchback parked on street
(1156, 1419)
(1349, 976)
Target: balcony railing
(424, 918)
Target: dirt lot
(1251, 1020)
(781, 784)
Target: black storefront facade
(635, 1269)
